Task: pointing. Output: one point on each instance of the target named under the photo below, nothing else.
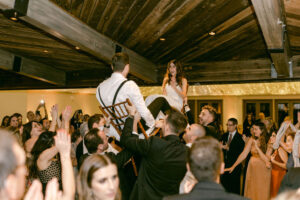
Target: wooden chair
(118, 113)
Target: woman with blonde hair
(98, 179)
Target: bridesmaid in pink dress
(258, 177)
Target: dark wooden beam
(30, 68)
(228, 66)
(271, 20)
(157, 23)
(57, 22)
(6, 60)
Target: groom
(117, 89)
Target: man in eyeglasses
(232, 145)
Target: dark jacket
(291, 180)
(163, 164)
(231, 181)
(125, 173)
(212, 130)
(235, 149)
(208, 191)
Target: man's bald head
(193, 132)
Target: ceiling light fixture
(46, 51)
(212, 33)
(162, 39)
(14, 17)
(77, 48)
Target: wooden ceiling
(249, 36)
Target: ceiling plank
(210, 43)
(30, 68)
(6, 60)
(54, 20)
(42, 72)
(219, 30)
(269, 14)
(156, 24)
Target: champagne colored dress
(277, 175)
(258, 178)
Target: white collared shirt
(189, 145)
(233, 134)
(129, 90)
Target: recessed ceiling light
(212, 33)
(15, 17)
(77, 48)
(162, 39)
(45, 51)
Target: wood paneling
(271, 20)
(50, 18)
(31, 68)
(137, 26)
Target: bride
(174, 86)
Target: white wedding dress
(174, 99)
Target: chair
(118, 113)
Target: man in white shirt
(106, 92)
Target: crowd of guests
(76, 156)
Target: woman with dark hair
(31, 132)
(5, 121)
(76, 120)
(258, 177)
(279, 160)
(248, 122)
(175, 85)
(98, 179)
(46, 164)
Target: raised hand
(63, 142)
(159, 123)
(67, 113)
(54, 112)
(35, 191)
(131, 109)
(273, 158)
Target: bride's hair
(179, 72)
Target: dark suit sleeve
(121, 158)
(190, 117)
(132, 142)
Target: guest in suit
(205, 161)
(163, 163)
(291, 180)
(192, 132)
(96, 143)
(232, 145)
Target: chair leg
(134, 166)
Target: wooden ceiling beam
(218, 30)
(32, 69)
(57, 22)
(154, 26)
(272, 21)
(228, 66)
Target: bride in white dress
(174, 86)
